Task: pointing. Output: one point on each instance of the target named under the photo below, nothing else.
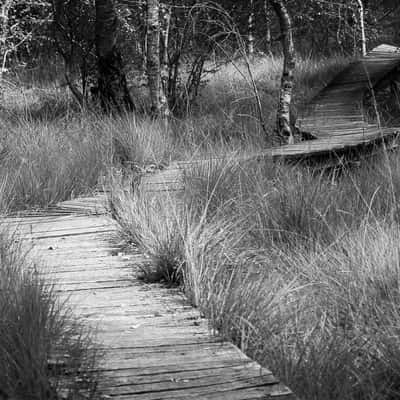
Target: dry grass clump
(51, 161)
(155, 225)
(51, 150)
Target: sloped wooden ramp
(338, 110)
(156, 346)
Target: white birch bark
(287, 81)
(360, 6)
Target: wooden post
(287, 81)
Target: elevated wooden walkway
(156, 346)
(334, 120)
(338, 110)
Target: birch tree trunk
(164, 72)
(112, 85)
(159, 106)
(362, 27)
(153, 54)
(4, 19)
(268, 22)
(287, 81)
(250, 31)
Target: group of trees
(170, 42)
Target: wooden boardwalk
(334, 119)
(338, 109)
(156, 346)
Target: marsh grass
(310, 283)
(155, 225)
(300, 269)
(55, 153)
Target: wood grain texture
(155, 345)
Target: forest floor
(299, 268)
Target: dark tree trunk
(285, 96)
(112, 87)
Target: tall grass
(300, 269)
(51, 150)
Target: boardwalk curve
(156, 346)
(337, 110)
(334, 120)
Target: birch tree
(285, 94)
(112, 85)
(4, 32)
(360, 6)
(164, 72)
(159, 105)
(250, 28)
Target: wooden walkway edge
(155, 345)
